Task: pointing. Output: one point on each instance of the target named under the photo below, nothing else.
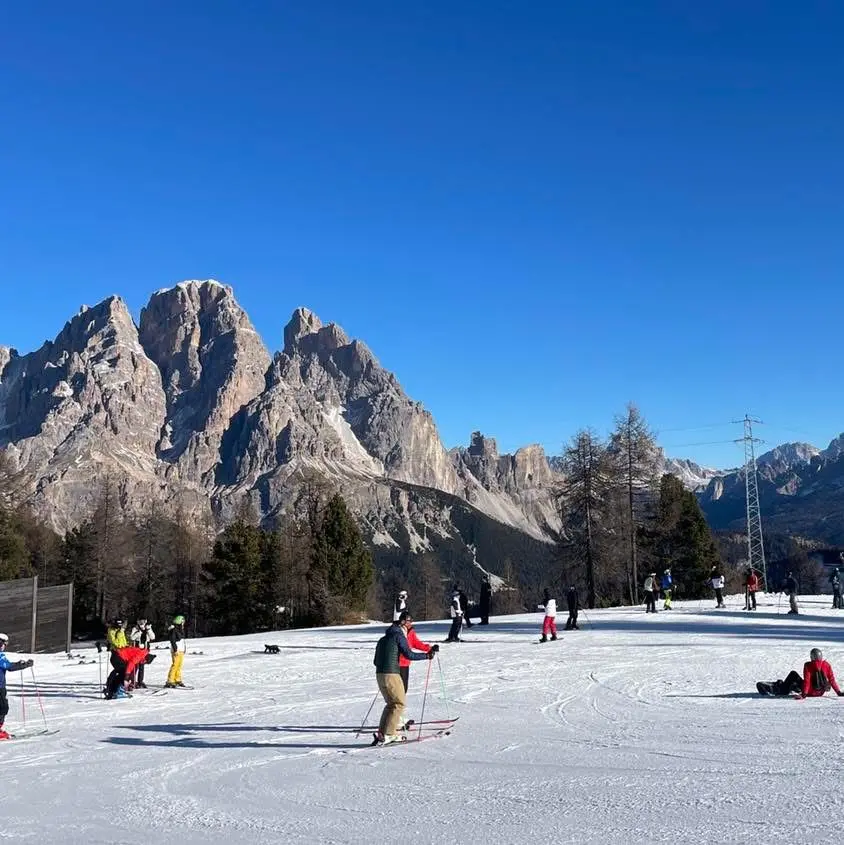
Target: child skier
(667, 585)
(176, 635)
(6, 665)
(549, 625)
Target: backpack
(820, 680)
(379, 651)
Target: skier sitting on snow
(388, 676)
(818, 678)
(127, 659)
(549, 624)
(6, 665)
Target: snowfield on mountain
(635, 729)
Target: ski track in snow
(635, 729)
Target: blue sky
(532, 212)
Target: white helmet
(403, 594)
(4, 638)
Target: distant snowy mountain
(694, 476)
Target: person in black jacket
(574, 606)
(835, 581)
(791, 592)
(464, 601)
(486, 600)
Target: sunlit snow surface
(635, 729)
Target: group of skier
(129, 655)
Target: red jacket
(752, 583)
(132, 656)
(812, 667)
(416, 644)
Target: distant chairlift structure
(755, 544)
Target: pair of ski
(36, 734)
(410, 732)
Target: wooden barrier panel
(52, 630)
(17, 613)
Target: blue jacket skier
(7, 665)
(667, 584)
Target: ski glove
(28, 663)
(430, 654)
(436, 647)
(840, 693)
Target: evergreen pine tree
(681, 540)
(341, 565)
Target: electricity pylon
(755, 544)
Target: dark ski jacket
(389, 647)
(175, 638)
(7, 665)
(486, 595)
(571, 599)
(818, 678)
(790, 585)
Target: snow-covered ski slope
(635, 729)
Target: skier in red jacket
(751, 587)
(404, 664)
(817, 679)
(126, 660)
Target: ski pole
(38, 693)
(442, 685)
(360, 729)
(424, 697)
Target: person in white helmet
(400, 606)
(6, 665)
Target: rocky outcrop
(191, 406)
(88, 404)
(212, 363)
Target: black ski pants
(751, 600)
(650, 601)
(117, 677)
(404, 673)
(571, 622)
(4, 705)
(454, 631)
(792, 683)
(719, 596)
(836, 600)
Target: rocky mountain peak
(483, 447)
(305, 334)
(212, 362)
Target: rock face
(212, 362)
(799, 487)
(88, 404)
(190, 403)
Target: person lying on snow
(818, 678)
